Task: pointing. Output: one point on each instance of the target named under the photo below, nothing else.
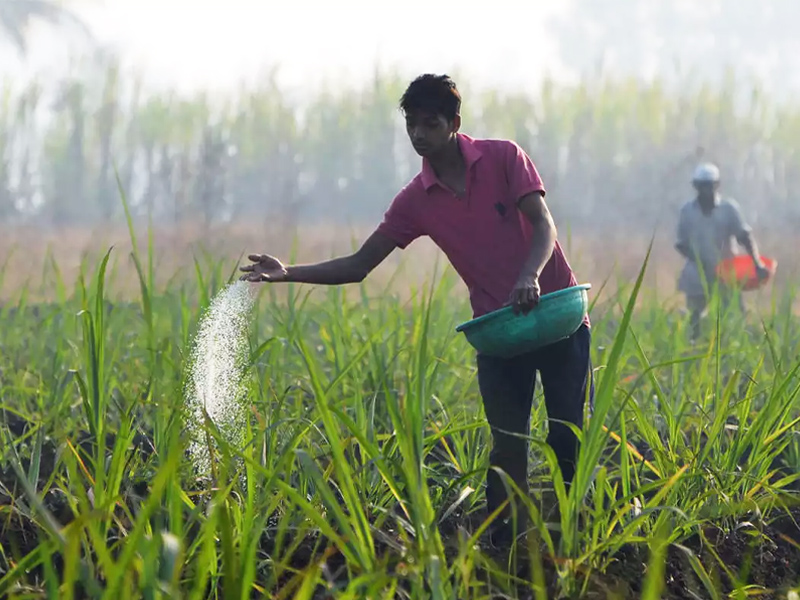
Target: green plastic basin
(502, 333)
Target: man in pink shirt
(482, 202)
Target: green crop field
(362, 470)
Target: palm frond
(17, 15)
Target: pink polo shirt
(485, 236)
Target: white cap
(706, 172)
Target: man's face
(430, 133)
(706, 190)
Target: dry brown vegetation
(28, 251)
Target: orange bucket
(741, 271)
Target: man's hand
(264, 268)
(762, 272)
(525, 295)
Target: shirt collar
(469, 151)
(717, 201)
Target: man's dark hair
(435, 94)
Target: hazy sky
(217, 43)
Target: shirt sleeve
(523, 178)
(399, 221)
(739, 227)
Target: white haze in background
(216, 45)
(213, 44)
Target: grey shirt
(710, 238)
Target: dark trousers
(699, 303)
(507, 386)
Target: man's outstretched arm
(339, 271)
(525, 294)
(744, 236)
(748, 242)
